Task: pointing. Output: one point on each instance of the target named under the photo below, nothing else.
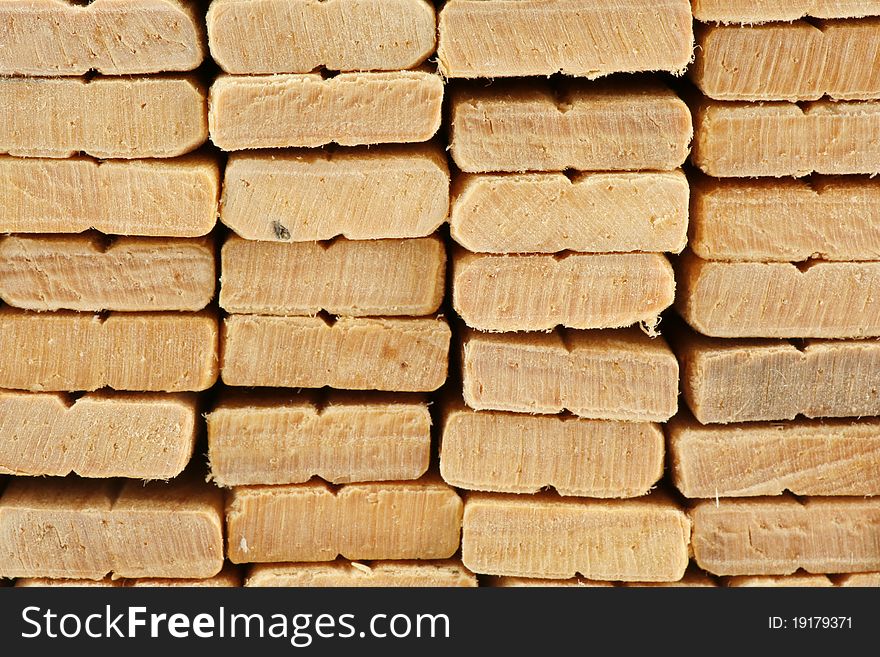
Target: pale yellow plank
(354, 574)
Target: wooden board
(762, 11)
(779, 299)
(821, 378)
(798, 580)
(806, 457)
(352, 574)
(778, 536)
(59, 37)
(349, 109)
(266, 438)
(86, 272)
(109, 117)
(789, 61)
(514, 453)
(170, 198)
(404, 355)
(825, 217)
(342, 277)
(610, 375)
(540, 292)
(859, 579)
(81, 529)
(535, 582)
(300, 36)
(536, 127)
(308, 195)
(139, 436)
(547, 537)
(584, 212)
(66, 351)
(226, 578)
(502, 38)
(785, 139)
(312, 522)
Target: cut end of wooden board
(749, 11)
(354, 574)
(263, 36)
(313, 195)
(480, 38)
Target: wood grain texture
(506, 581)
(798, 580)
(821, 378)
(735, 139)
(312, 522)
(805, 457)
(66, 351)
(350, 109)
(138, 436)
(609, 374)
(540, 292)
(355, 278)
(405, 355)
(502, 38)
(114, 37)
(584, 212)
(576, 125)
(169, 198)
(546, 537)
(112, 117)
(778, 536)
(763, 11)
(264, 438)
(79, 529)
(859, 579)
(226, 578)
(300, 36)
(309, 195)
(353, 574)
(779, 299)
(84, 272)
(825, 217)
(515, 453)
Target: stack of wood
(104, 336)
(332, 280)
(781, 288)
(568, 194)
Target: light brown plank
(501, 38)
(139, 436)
(514, 453)
(827, 218)
(404, 355)
(343, 277)
(60, 37)
(777, 536)
(361, 194)
(784, 139)
(547, 537)
(312, 522)
(693, 578)
(608, 375)
(779, 299)
(65, 351)
(300, 36)
(265, 438)
(806, 457)
(536, 127)
(170, 198)
(534, 582)
(540, 292)
(352, 574)
(349, 109)
(226, 578)
(84, 272)
(108, 117)
(789, 61)
(762, 11)
(798, 580)
(748, 380)
(859, 579)
(584, 212)
(77, 529)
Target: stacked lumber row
(567, 195)
(332, 280)
(106, 276)
(780, 288)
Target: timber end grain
(749, 11)
(352, 574)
